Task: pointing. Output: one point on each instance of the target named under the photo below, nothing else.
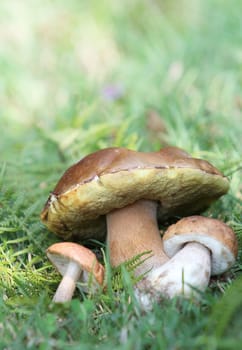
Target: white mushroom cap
(219, 238)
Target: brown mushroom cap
(60, 254)
(115, 177)
(218, 237)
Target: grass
(80, 76)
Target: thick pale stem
(67, 285)
(133, 230)
(189, 270)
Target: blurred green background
(183, 60)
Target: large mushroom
(198, 247)
(123, 192)
(75, 263)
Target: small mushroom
(74, 262)
(198, 247)
(124, 193)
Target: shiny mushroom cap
(215, 235)
(60, 254)
(113, 178)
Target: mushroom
(198, 247)
(124, 192)
(74, 262)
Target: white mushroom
(198, 247)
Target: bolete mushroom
(128, 190)
(198, 247)
(74, 262)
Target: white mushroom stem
(133, 230)
(67, 285)
(188, 271)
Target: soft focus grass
(174, 72)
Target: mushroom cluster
(122, 195)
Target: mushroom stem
(133, 230)
(189, 270)
(67, 285)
